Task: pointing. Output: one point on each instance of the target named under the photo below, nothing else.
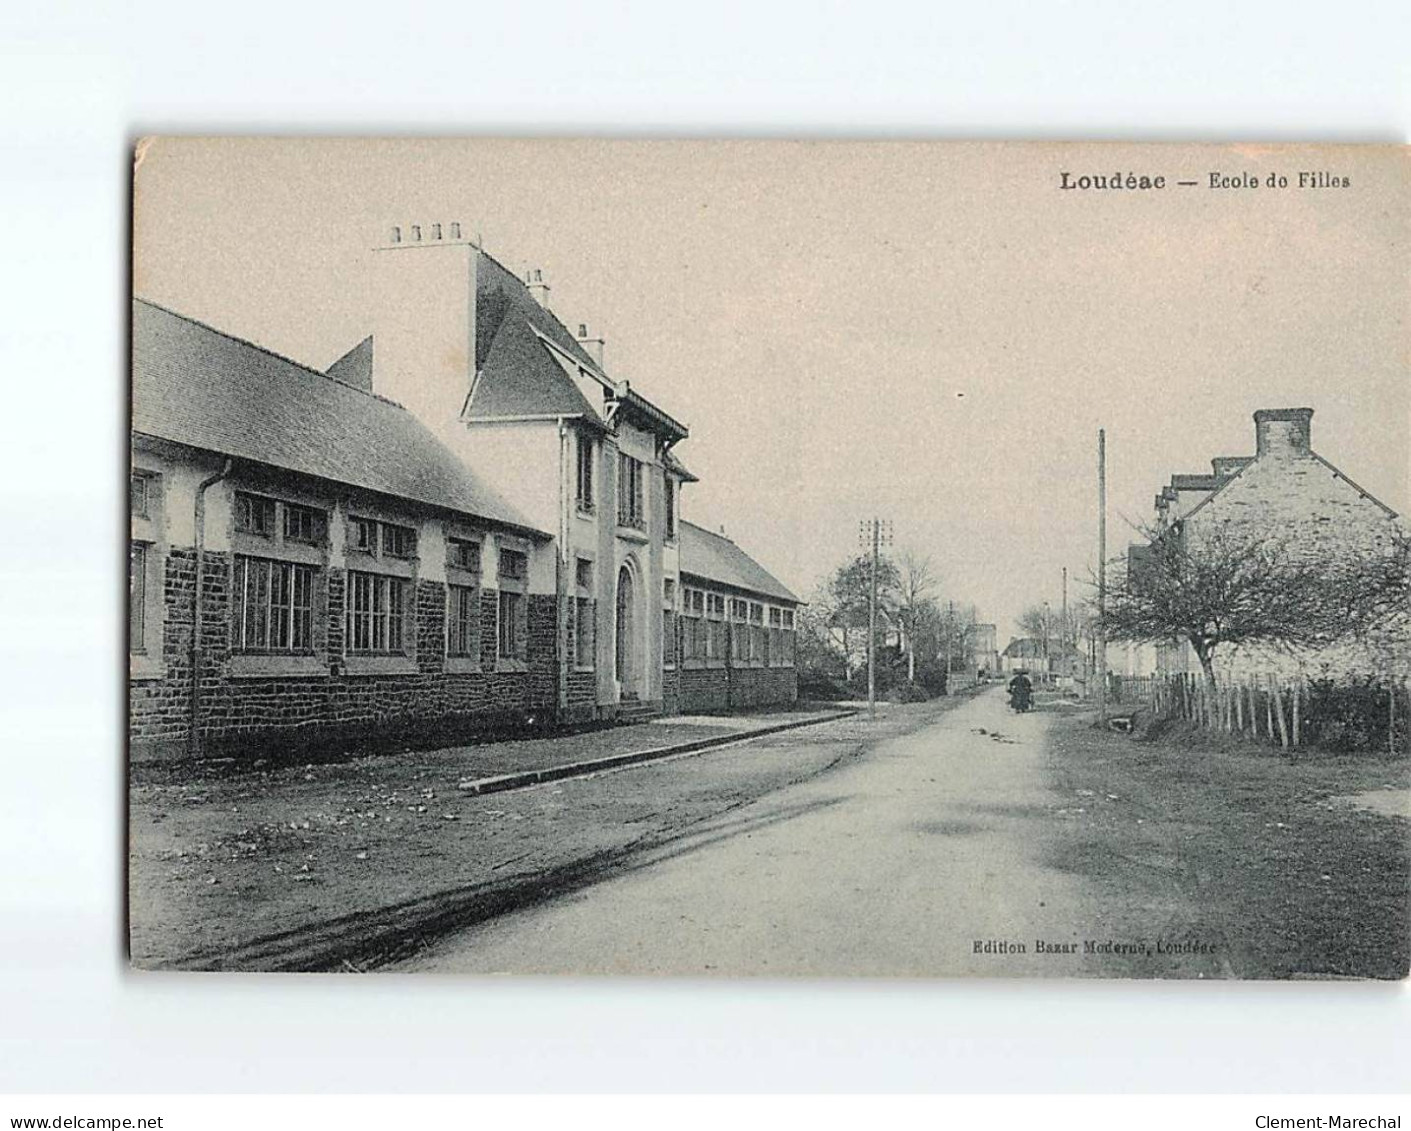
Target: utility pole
(1048, 652)
(876, 531)
(1063, 629)
(1101, 575)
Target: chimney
(1283, 433)
(593, 346)
(1225, 466)
(537, 287)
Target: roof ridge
(707, 530)
(309, 369)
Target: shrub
(932, 676)
(906, 692)
(817, 685)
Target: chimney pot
(582, 329)
(1283, 433)
(455, 231)
(1225, 466)
(538, 289)
(435, 231)
(416, 231)
(396, 234)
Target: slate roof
(516, 373)
(674, 464)
(355, 367)
(1031, 648)
(196, 386)
(1196, 482)
(714, 557)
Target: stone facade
(1294, 499)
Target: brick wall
(251, 716)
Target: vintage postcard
(770, 558)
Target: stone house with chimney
(464, 522)
(1297, 498)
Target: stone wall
(708, 690)
(255, 715)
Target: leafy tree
(848, 595)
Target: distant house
(984, 638)
(1296, 496)
(465, 520)
(1024, 653)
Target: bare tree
(916, 582)
(1239, 586)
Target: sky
(930, 333)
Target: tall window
(138, 497)
(137, 597)
(758, 653)
(513, 604)
(463, 622)
(584, 617)
(715, 627)
(376, 613)
(272, 606)
(514, 627)
(739, 631)
(670, 508)
(693, 627)
(631, 510)
(586, 459)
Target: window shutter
(521, 627)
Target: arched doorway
(625, 658)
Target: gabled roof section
(525, 358)
(1195, 482)
(1355, 486)
(195, 386)
(516, 372)
(355, 367)
(714, 557)
(673, 464)
(1227, 480)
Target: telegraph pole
(872, 629)
(1063, 629)
(1101, 574)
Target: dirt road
(924, 858)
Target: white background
(78, 84)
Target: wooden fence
(1283, 711)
